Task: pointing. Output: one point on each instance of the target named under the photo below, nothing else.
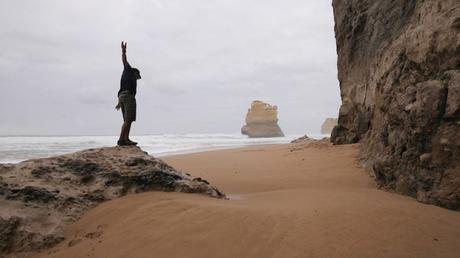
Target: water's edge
(14, 149)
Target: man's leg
(124, 134)
(127, 135)
(129, 115)
(128, 128)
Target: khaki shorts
(128, 106)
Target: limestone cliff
(328, 125)
(399, 73)
(38, 198)
(262, 121)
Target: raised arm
(123, 55)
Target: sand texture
(308, 199)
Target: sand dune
(291, 200)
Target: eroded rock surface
(305, 142)
(399, 73)
(38, 198)
(262, 121)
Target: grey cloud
(200, 61)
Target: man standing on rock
(127, 98)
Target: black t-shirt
(128, 80)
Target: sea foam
(14, 149)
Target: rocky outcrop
(304, 138)
(306, 142)
(262, 121)
(38, 198)
(399, 73)
(328, 125)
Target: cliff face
(399, 73)
(262, 121)
(38, 198)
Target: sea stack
(399, 73)
(328, 125)
(262, 121)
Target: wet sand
(291, 200)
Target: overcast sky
(202, 63)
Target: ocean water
(14, 149)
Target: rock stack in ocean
(262, 121)
(328, 125)
(399, 73)
(40, 197)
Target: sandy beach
(289, 200)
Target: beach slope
(309, 199)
